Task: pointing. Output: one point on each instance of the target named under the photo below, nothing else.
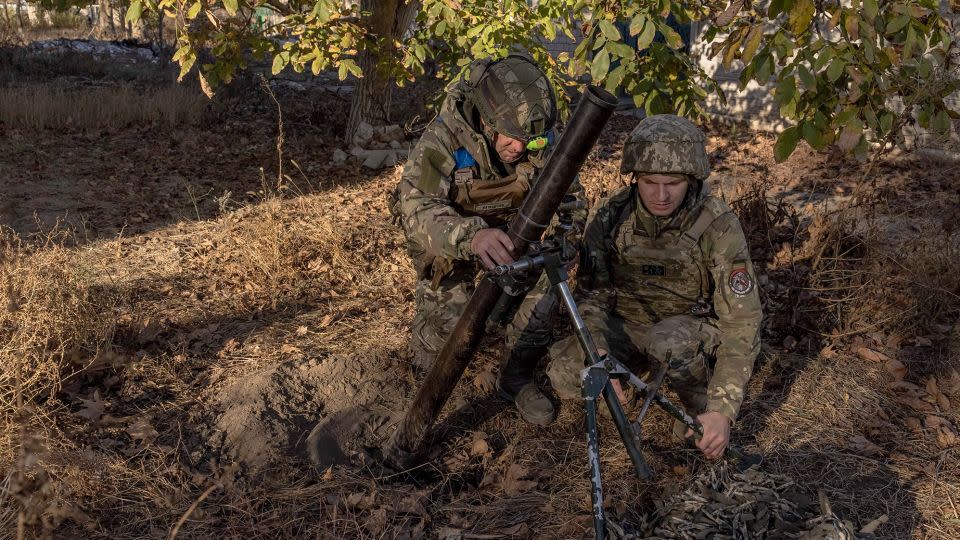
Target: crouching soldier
(665, 268)
(463, 183)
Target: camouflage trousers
(438, 311)
(691, 341)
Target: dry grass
(190, 309)
(109, 107)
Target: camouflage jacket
(450, 189)
(697, 262)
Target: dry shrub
(54, 319)
(43, 107)
(870, 271)
(54, 324)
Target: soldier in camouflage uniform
(464, 181)
(665, 267)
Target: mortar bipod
(595, 381)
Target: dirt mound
(265, 417)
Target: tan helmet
(666, 144)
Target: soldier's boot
(694, 402)
(516, 384)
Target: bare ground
(167, 356)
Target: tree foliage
(844, 73)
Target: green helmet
(666, 144)
(513, 96)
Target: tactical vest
(662, 277)
(496, 200)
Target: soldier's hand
(493, 246)
(716, 434)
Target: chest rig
(496, 199)
(663, 275)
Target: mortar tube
(582, 132)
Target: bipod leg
(744, 461)
(631, 437)
(593, 380)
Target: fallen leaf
(871, 355)
(302, 330)
(923, 342)
(943, 402)
(904, 386)
(514, 483)
(413, 504)
(327, 474)
(376, 522)
(480, 448)
(932, 422)
(862, 445)
(828, 352)
(141, 430)
(915, 403)
(680, 470)
(92, 409)
(932, 387)
(360, 501)
(326, 320)
(896, 368)
(485, 381)
(520, 529)
(286, 348)
(914, 423)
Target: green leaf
(897, 24)
(609, 30)
(621, 50)
(807, 78)
(801, 15)
(673, 39)
(835, 69)
(352, 67)
(850, 136)
(645, 38)
(134, 11)
(886, 122)
(549, 30)
(600, 66)
(813, 136)
(775, 8)
(614, 78)
(941, 123)
(752, 43)
(193, 11)
(637, 23)
(441, 28)
(278, 64)
(230, 6)
(786, 144)
(341, 71)
(870, 10)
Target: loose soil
(257, 317)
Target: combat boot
(516, 385)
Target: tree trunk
(388, 21)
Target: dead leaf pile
(720, 503)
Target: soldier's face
(509, 149)
(662, 194)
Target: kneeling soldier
(665, 267)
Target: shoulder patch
(462, 158)
(740, 280)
